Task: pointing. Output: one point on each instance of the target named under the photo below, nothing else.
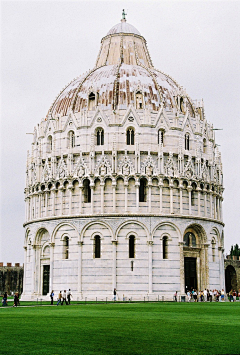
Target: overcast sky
(46, 44)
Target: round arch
(59, 226)
(92, 223)
(135, 222)
(230, 278)
(199, 231)
(39, 233)
(167, 224)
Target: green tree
(235, 250)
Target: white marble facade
(123, 184)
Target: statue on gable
(126, 169)
(81, 171)
(102, 170)
(149, 169)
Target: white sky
(44, 45)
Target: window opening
(143, 190)
(100, 137)
(91, 101)
(165, 245)
(187, 141)
(160, 136)
(139, 100)
(130, 136)
(204, 145)
(66, 248)
(131, 246)
(87, 191)
(131, 265)
(97, 246)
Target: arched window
(132, 246)
(213, 250)
(139, 100)
(189, 239)
(161, 136)
(204, 145)
(71, 139)
(49, 144)
(100, 136)
(143, 190)
(130, 136)
(65, 248)
(187, 140)
(86, 191)
(91, 101)
(97, 246)
(165, 247)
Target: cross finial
(124, 15)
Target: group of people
(64, 296)
(233, 295)
(210, 295)
(16, 301)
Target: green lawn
(131, 328)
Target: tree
(235, 250)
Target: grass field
(131, 328)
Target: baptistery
(123, 184)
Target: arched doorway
(230, 278)
(195, 255)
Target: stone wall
(11, 278)
(232, 273)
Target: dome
(123, 27)
(124, 184)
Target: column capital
(52, 245)
(150, 242)
(114, 242)
(80, 243)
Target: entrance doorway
(190, 272)
(230, 278)
(46, 275)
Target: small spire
(123, 16)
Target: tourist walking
(4, 300)
(175, 296)
(234, 296)
(69, 295)
(64, 297)
(59, 298)
(15, 300)
(114, 295)
(222, 295)
(51, 296)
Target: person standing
(15, 300)
(5, 299)
(69, 295)
(222, 295)
(64, 297)
(175, 296)
(114, 295)
(52, 295)
(59, 298)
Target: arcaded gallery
(123, 184)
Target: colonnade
(208, 203)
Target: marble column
(33, 267)
(160, 198)
(53, 200)
(150, 278)
(137, 194)
(70, 188)
(114, 195)
(171, 198)
(189, 188)
(80, 243)
(182, 275)
(80, 198)
(149, 197)
(114, 267)
(126, 195)
(51, 266)
(181, 198)
(92, 197)
(102, 196)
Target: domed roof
(123, 69)
(123, 27)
